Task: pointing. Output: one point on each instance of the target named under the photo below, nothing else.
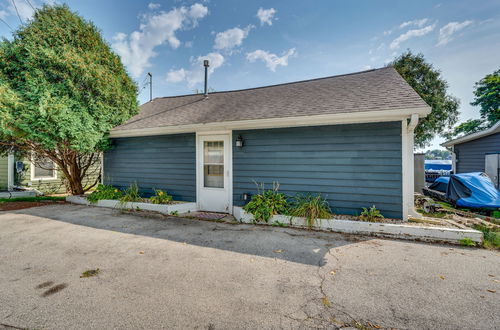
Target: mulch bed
(12, 206)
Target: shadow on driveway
(305, 247)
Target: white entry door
(214, 172)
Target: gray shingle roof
(379, 89)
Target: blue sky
(256, 43)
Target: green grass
(433, 214)
(491, 237)
(33, 199)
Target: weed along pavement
(78, 267)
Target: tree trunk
(75, 186)
(75, 168)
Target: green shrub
(160, 197)
(104, 192)
(267, 203)
(310, 207)
(371, 214)
(131, 194)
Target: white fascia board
(314, 120)
(492, 130)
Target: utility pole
(150, 86)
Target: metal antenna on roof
(150, 86)
(206, 65)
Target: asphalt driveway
(171, 272)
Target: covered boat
(471, 190)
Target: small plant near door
(310, 207)
(371, 215)
(160, 197)
(267, 203)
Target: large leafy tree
(467, 127)
(487, 96)
(61, 90)
(430, 85)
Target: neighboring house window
(43, 170)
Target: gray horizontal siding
(470, 155)
(353, 166)
(166, 162)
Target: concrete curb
(16, 194)
(114, 204)
(423, 233)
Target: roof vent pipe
(206, 65)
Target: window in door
(213, 164)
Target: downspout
(413, 123)
(409, 178)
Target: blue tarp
(475, 190)
(440, 184)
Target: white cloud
(137, 49)
(266, 15)
(195, 74)
(447, 31)
(196, 12)
(231, 38)
(176, 75)
(154, 6)
(3, 14)
(411, 34)
(271, 60)
(418, 23)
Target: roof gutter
(297, 121)
(492, 130)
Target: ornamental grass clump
(267, 203)
(310, 207)
(131, 194)
(160, 197)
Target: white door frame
(228, 171)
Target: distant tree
(438, 154)
(487, 96)
(61, 90)
(432, 88)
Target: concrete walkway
(178, 273)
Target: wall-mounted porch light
(239, 141)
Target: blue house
(347, 137)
